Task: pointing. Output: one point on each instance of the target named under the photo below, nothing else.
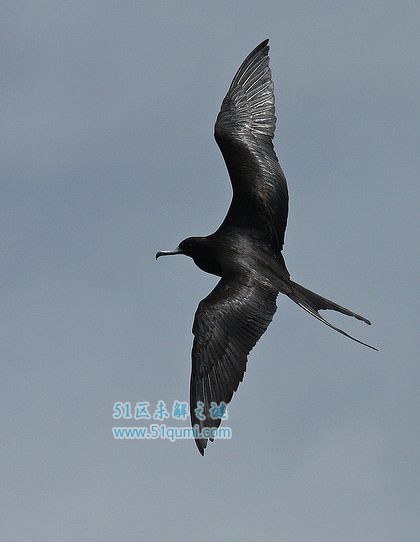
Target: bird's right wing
(244, 131)
(227, 324)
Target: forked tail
(312, 303)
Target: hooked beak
(168, 252)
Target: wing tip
(260, 47)
(263, 48)
(264, 43)
(200, 446)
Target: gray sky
(107, 155)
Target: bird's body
(233, 252)
(246, 250)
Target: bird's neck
(207, 256)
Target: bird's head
(190, 247)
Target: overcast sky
(107, 155)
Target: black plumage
(245, 251)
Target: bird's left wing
(227, 325)
(244, 131)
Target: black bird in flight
(246, 250)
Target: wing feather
(244, 131)
(227, 325)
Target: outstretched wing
(244, 131)
(227, 325)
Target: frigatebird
(246, 250)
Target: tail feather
(313, 303)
